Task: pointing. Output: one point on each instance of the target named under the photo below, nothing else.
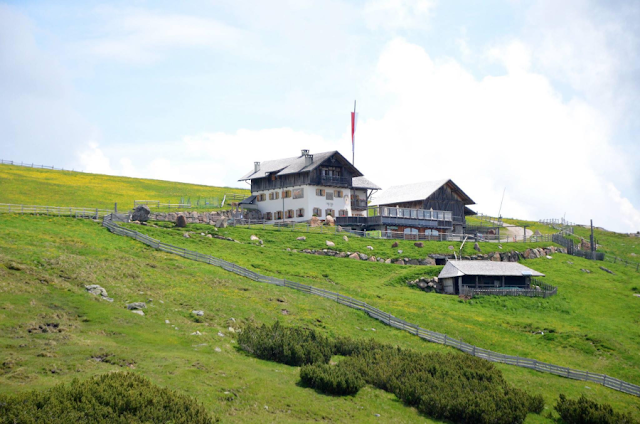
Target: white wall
(308, 202)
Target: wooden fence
(380, 315)
(91, 213)
(33, 165)
(539, 289)
(572, 248)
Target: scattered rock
(218, 349)
(354, 256)
(607, 270)
(209, 235)
(570, 263)
(451, 248)
(254, 238)
(399, 262)
(284, 312)
(141, 213)
(585, 270)
(222, 222)
(429, 261)
(136, 311)
(136, 305)
(196, 333)
(166, 321)
(198, 313)
(232, 330)
(363, 257)
(345, 238)
(387, 261)
(637, 294)
(181, 221)
(394, 245)
(220, 334)
(549, 257)
(330, 221)
(96, 290)
(330, 243)
(400, 252)
(419, 244)
(186, 235)
(315, 222)
(370, 247)
(302, 238)
(476, 246)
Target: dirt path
(511, 231)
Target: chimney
(308, 159)
(305, 152)
(256, 166)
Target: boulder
(136, 305)
(301, 238)
(181, 221)
(330, 243)
(422, 284)
(387, 261)
(197, 313)
(141, 213)
(399, 262)
(372, 259)
(96, 290)
(429, 261)
(222, 222)
(413, 262)
(476, 246)
(186, 235)
(341, 255)
(369, 247)
(137, 311)
(394, 245)
(345, 238)
(495, 257)
(419, 244)
(363, 257)
(315, 222)
(354, 256)
(330, 221)
(400, 252)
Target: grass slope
(27, 186)
(44, 263)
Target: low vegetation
(586, 411)
(116, 398)
(29, 186)
(450, 386)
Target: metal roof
(490, 268)
(416, 191)
(247, 200)
(295, 165)
(363, 182)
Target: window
(298, 193)
(276, 195)
(271, 196)
(261, 197)
(411, 233)
(330, 212)
(289, 214)
(278, 215)
(268, 216)
(317, 212)
(342, 212)
(320, 192)
(338, 193)
(329, 195)
(300, 213)
(286, 194)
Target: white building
(298, 188)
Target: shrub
(334, 380)
(287, 345)
(109, 398)
(536, 404)
(585, 411)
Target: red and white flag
(354, 122)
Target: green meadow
(53, 331)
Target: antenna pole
(500, 210)
(353, 134)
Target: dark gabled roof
(363, 182)
(296, 165)
(487, 268)
(468, 211)
(247, 200)
(417, 191)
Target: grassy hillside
(27, 186)
(616, 244)
(45, 262)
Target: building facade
(421, 210)
(296, 189)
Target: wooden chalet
(485, 275)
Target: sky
(536, 99)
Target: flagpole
(353, 130)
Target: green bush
(287, 345)
(334, 380)
(585, 411)
(449, 386)
(110, 398)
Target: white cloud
(142, 36)
(92, 159)
(398, 14)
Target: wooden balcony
(326, 180)
(359, 205)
